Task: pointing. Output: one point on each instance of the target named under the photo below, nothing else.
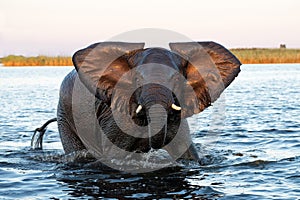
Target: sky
(55, 27)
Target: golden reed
(264, 56)
(246, 56)
(36, 61)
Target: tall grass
(256, 56)
(36, 61)
(246, 56)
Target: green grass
(246, 56)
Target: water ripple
(248, 150)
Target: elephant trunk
(157, 126)
(157, 102)
(156, 94)
(153, 94)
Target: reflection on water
(250, 152)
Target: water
(250, 148)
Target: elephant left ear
(101, 65)
(210, 69)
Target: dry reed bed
(264, 56)
(246, 56)
(36, 61)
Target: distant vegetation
(257, 56)
(36, 61)
(246, 56)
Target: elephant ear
(209, 70)
(101, 65)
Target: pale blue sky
(56, 27)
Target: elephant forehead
(155, 70)
(158, 55)
(156, 52)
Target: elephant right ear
(210, 69)
(101, 65)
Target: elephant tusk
(139, 108)
(176, 107)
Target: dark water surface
(249, 142)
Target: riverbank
(14, 61)
(267, 56)
(246, 56)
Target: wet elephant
(166, 87)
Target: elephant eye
(137, 80)
(213, 77)
(176, 78)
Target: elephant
(167, 87)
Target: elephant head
(207, 69)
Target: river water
(252, 152)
